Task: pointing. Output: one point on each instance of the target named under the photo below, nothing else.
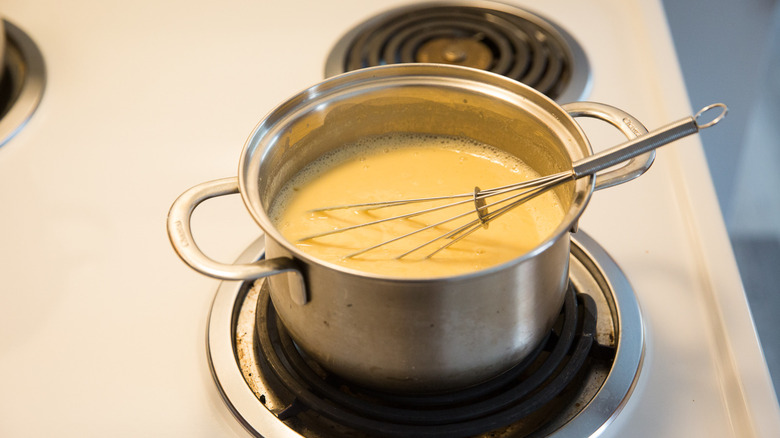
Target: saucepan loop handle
(629, 126)
(180, 234)
(639, 146)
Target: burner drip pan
(573, 385)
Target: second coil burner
(490, 36)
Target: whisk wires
(519, 193)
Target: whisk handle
(645, 143)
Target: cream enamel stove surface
(595, 396)
(103, 326)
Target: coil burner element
(489, 36)
(243, 327)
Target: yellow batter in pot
(403, 166)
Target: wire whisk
(487, 208)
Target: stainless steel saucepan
(397, 334)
